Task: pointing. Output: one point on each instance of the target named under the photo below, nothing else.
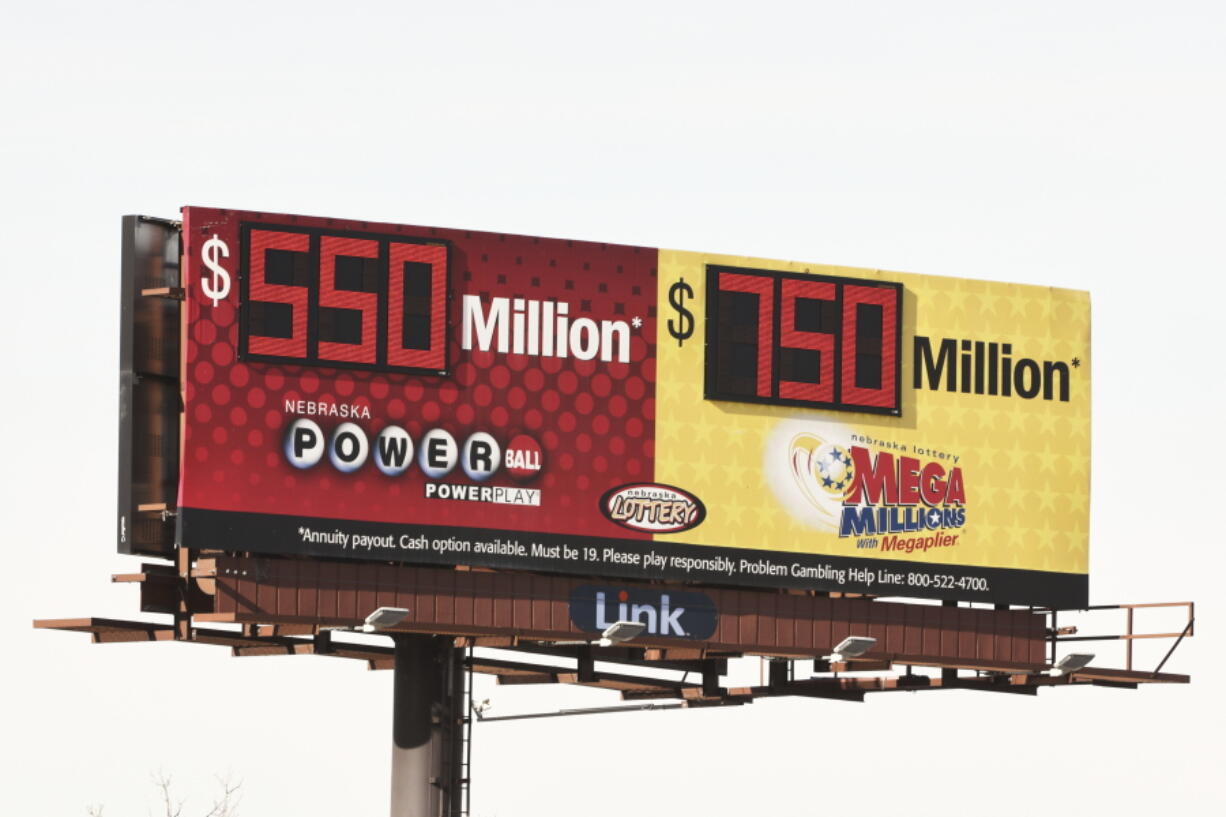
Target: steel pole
(417, 695)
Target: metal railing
(1130, 634)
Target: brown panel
(245, 589)
(559, 608)
(464, 583)
(985, 637)
(287, 586)
(503, 607)
(876, 623)
(521, 601)
(730, 627)
(265, 591)
(428, 596)
(347, 602)
(445, 601)
(785, 626)
(840, 626)
(368, 581)
(823, 623)
(805, 612)
(498, 604)
(725, 626)
(966, 632)
(876, 626)
(1018, 649)
(308, 590)
(483, 598)
(385, 588)
(328, 591)
(913, 636)
(744, 625)
(405, 596)
(224, 600)
(930, 616)
(1034, 628)
(949, 631)
(768, 618)
(858, 619)
(541, 618)
(896, 630)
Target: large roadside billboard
(377, 391)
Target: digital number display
(804, 340)
(357, 300)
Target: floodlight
(1071, 663)
(620, 631)
(853, 646)
(383, 618)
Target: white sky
(1074, 144)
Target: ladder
(463, 794)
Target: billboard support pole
(417, 697)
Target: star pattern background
(1025, 462)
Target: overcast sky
(1072, 144)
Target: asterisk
(636, 321)
(1076, 363)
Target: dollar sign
(217, 287)
(684, 327)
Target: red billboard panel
(438, 378)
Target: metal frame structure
(296, 605)
(261, 607)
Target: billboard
(416, 394)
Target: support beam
(414, 739)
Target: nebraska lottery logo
(394, 452)
(650, 507)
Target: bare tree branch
(224, 805)
(170, 807)
(227, 806)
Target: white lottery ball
(348, 447)
(482, 456)
(304, 443)
(393, 451)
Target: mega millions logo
(882, 494)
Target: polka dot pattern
(589, 417)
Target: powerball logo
(883, 494)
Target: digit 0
(417, 306)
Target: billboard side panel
(149, 409)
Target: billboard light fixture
(621, 631)
(616, 633)
(853, 646)
(383, 618)
(1071, 663)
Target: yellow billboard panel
(970, 448)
